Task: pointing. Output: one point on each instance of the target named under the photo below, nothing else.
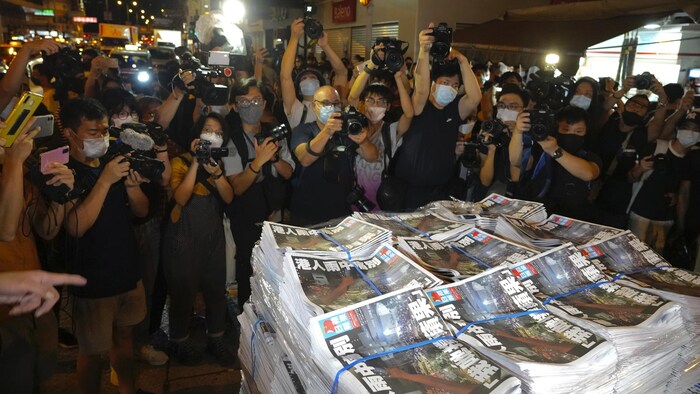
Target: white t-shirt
(233, 165)
(294, 115)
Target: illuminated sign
(84, 19)
(43, 13)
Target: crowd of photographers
(142, 207)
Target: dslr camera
(470, 159)
(357, 198)
(278, 133)
(393, 53)
(497, 129)
(353, 121)
(442, 45)
(644, 80)
(312, 27)
(205, 153)
(543, 123)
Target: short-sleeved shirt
(369, 174)
(106, 255)
(427, 153)
(321, 189)
(234, 165)
(611, 140)
(180, 166)
(651, 201)
(297, 112)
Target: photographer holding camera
(427, 155)
(257, 167)
(12, 82)
(560, 170)
(194, 255)
(102, 247)
(298, 92)
(326, 152)
(28, 341)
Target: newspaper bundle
(573, 288)
(391, 325)
(495, 205)
(420, 223)
(548, 353)
(457, 259)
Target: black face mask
(632, 118)
(571, 143)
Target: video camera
(217, 64)
(644, 80)
(497, 129)
(394, 51)
(206, 154)
(353, 121)
(134, 142)
(312, 27)
(547, 90)
(442, 45)
(543, 123)
(66, 66)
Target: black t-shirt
(106, 255)
(691, 172)
(608, 145)
(427, 153)
(651, 201)
(320, 190)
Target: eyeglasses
(256, 102)
(123, 114)
(208, 130)
(511, 106)
(371, 101)
(327, 103)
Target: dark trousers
(195, 260)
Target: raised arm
(287, 66)
(406, 103)
(340, 80)
(359, 84)
(11, 83)
(472, 97)
(421, 90)
(48, 218)
(656, 124)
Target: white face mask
(309, 86)
(506, 115)
(688, 138)
(375, 114)
(466, 128)
(580, 101)
(444, 94)
(95, 148)
(215, 139)
(119, 122)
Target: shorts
(95, 318)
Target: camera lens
(354, 127)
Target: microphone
(136, 140)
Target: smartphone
(46, 124)
(58, 155)
(19, 117)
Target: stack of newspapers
(496, 205)
(426, 302)
(646, 330)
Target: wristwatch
(557, 153)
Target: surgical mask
(119, 122)
(466, 128)
(580, 101)
(325, 113)
(444, 94)
(376, 113)
(215, 140)
(571, 143)
(252, 114)
(308, 87)
(632, 118)
(688, 138)
(506, 115)
(95, 148)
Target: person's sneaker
(66, 340)
(153, 356)
(113, 378)
(217, 348)
(185, 353)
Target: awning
(524, 36)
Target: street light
(233, 10)
(130, 10)
(119, 2)
(134, 4)
(153, 17)
(143, 11)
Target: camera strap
(661, 148)
(386, 139)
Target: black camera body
(497, 129)
(357, 198)
(353, 121)
(65, 64)
(442, 45)
(313, 28)
(394, 51)
(205, 153)
(547, 90)
(543, 123)
(149, 168)
(471, 159)
(644, 80)
(209, 92)
(661, 163)
(278, 133)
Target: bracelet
(310, 151)
(251, 168)
(215, 177)
(162, 151)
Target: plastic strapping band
(359, 271)
(336, 380)
(464, 252)
(252, 345)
